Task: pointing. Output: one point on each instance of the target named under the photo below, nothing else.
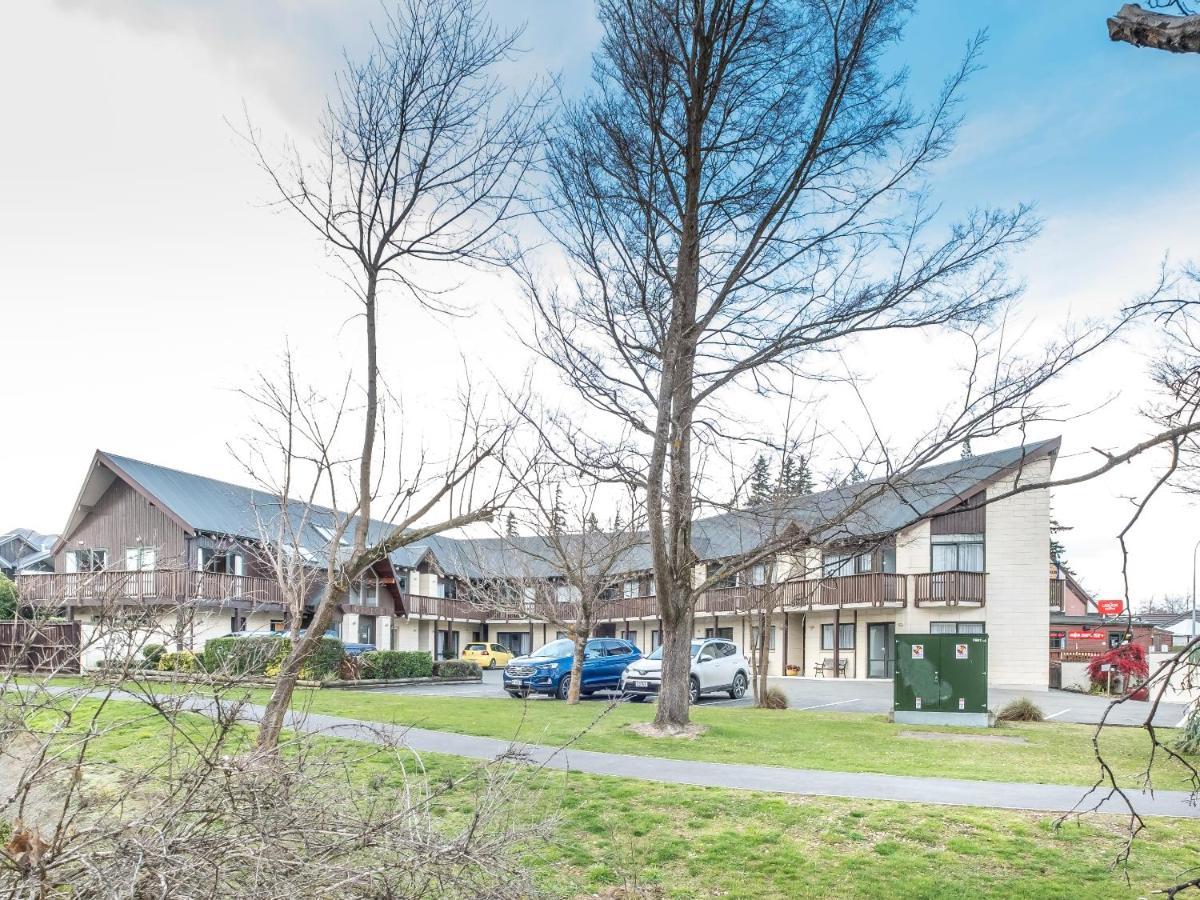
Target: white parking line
(823, 705)
(1059, 713)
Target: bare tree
(420, 163)
(564, 569)
(741, 193)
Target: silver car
(717, 666)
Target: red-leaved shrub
(1128, 660)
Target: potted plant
(791, 669)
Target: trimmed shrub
(457, 668)
(326, 661)
(1020, 710)
(773, 698)
(152, 653)
(396, 664)
(182, 661)
(244, 656)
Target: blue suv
(548, 670)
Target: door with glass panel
(881, 640)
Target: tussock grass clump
(773, 698)
(1020, 710)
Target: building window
(630, 589)
(726, 633)
(87, 560)
(1058, 640)
(276, 626)
(760, 574)
(629, 637)
(770, 637)
(364, 592)
(836, 564)
(220, 562)
(650, 586)
(956, 628)
(956, 553)
(845, 636)
(728, 581)
(655, 639)
(237, 623)
(402, 582)
(450, 589)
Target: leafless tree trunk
(719, 198)
(419, 165)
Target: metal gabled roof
(208, 505)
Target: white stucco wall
(1017, 559)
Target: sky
(145, 276)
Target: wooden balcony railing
(153, 586)
(949, 588)
(1057, 594)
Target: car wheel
(564, 687)
(738, 691)
(636, 698)
(492, 663)
(693, 691)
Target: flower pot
(791, 670)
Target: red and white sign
(1110, 607)
(1087, 635)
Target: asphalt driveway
(849, 695)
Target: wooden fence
(32, 646)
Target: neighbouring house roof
(23, 548)
(867, 509)
(1164, 620)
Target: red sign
(1110, 607)
(1087, 635)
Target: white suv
(716, 666)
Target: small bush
(396, 664)
(773, 698)
(8, 598)
(183, 661)
(457, 668)
(152, 653)
(1128, 661)
(1020, 710)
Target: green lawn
(703, 842)
(1053, 753)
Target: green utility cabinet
(941, 679)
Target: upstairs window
(221, 562)
(957, 553)
(631, 588)
(87, 560)
(364, 592)
(847, 564)
(728, 581)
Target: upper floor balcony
(148, 587)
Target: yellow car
(489, 656)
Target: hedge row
(457, 668)
(396, 664)
(264, 655)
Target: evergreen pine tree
(1058, 553)
(760, 482)
(966, 449)
(856, 475)
(556, 515)
(510, 524)
(593, 524)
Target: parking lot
(848, 695)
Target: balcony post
(837, 641)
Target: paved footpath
(858, 785)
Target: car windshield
(657, 654)
(554, 649)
